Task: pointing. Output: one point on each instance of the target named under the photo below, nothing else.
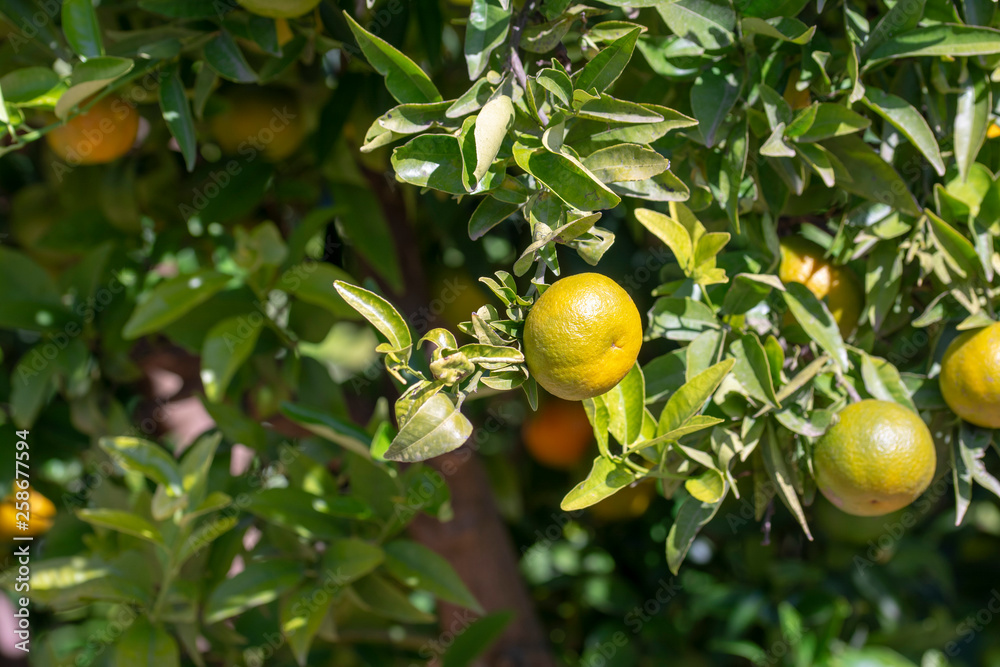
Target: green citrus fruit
(279, 9)
(970, 376)
(105, 133)
(803, 262)
(875, 460)
(266, 121)
(582, 336)
(558, 435)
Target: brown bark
(479, 547)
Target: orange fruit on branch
(879, 457)
(970, 376)
(558, 435)
(582, 336)
(103, 134)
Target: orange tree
(211, 190)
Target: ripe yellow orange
(259, 121)
(103, 134)
(629, 503)
(993, 131)
(558, 435)
(875, 460)
(802, 262)
(582, 336)
(40, 515)
(970, 376)
(279, 9)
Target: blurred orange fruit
(558, 435)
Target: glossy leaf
(909, 121)
(177, 114)
(259, 583)
(417, 566)
(713, 94)
(692, 516)
(403, 78)
(689, 400)
(489, 21)
(227, 346)
(226, 59)
(607, 477)
(436, 428)
(813, 315)
(123, 522)
(146, 458)
(625, 162)
(605, 68)
(83, 32)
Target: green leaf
(692, 516)
(143, 643)
(313, 282)
(326, 426)
(813, 315)
(567, 178)
(943, 39)
(625, 405)
(829, 120)
(492, 125)
(664, 187)
(605, 68)
(909, 121)
(489, 21)
(301, 616)
(900, 18)
(347, 560)
(708, 487)
(957, 249)
(226, 59)
(381, 597)
(746, 290)
(752, 369)
(177, 113)
(689, 400)
(625, 162)
(883, 382)
(122, 521)
(883, 278)
(259, 583)
(713, 94)
(557, 82)
(972, 117)
(972, 444)
(431, 161)
(88, 78)
(227, 346)
(27, 84)
(674, 234)
(680, 319)
(21, 13)
(83, 32)
(777, 470)
(416, 566)
(476, 639)
(860, 170)
(819, 160)
(471, 100)
(782, 28)
(305, 514)
(365, 226)
(607, 476)
(436, 428)
(381, 314)
(607, 109)
(597, 134)
(709, 22)
(171, 299)
(185, 9)
(403, 78)
(490, 213)
(146, 458)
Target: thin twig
(514, 60)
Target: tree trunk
(477, 544)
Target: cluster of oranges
(583, 336)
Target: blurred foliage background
(201, 403)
